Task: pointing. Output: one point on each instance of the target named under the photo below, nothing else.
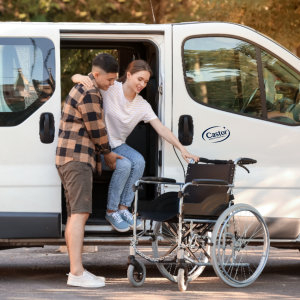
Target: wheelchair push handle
(246, 161)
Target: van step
(103, 228)
(107, 240)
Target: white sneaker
(87, 280)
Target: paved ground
(39, 273)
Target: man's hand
(111, 159)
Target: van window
(222, 72)
(27, 77)
(282, 86)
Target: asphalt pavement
(40, 273)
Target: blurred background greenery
(278, 19)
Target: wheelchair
(197, 226)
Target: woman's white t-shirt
(122, 115)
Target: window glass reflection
(27, 77)
(222, 72)
(282, 86)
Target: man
(82, 138)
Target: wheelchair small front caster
(182, 280)
(136, 273)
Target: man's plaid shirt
(82, 133)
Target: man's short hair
(106, 62)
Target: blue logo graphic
(216, 134)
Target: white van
(235, 91)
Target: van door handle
(47, 128)
(185, 130)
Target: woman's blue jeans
(128, 171)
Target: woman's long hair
(134, 67)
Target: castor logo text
(216, 134)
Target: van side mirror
(185, 130)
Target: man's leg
(74, 234)
(77, 180)
(67, 233)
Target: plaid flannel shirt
(82, 133)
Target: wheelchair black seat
(162, 208)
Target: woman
(124, 108)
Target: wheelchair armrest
(209, 182)
(159, 179)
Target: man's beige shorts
(77, 179)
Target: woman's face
(138, 80)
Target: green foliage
(276, 18)
(70, 65)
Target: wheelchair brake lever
(242, 166)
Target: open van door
(30, 190)
(237, 94)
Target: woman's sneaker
(127, 216)
(87, 280)
(117, 222)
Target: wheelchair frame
(219, 241)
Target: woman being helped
(124, 108)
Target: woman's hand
(186, 156)
(85, 80)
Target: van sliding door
(30, 193)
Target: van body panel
(29, 182)
(274, 183)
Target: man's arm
(92, 115)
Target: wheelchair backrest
(207, 200)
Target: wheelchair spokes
(241, 245)
(195, 249)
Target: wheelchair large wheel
(240, 245)
(165, 244)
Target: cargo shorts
(77, 180)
